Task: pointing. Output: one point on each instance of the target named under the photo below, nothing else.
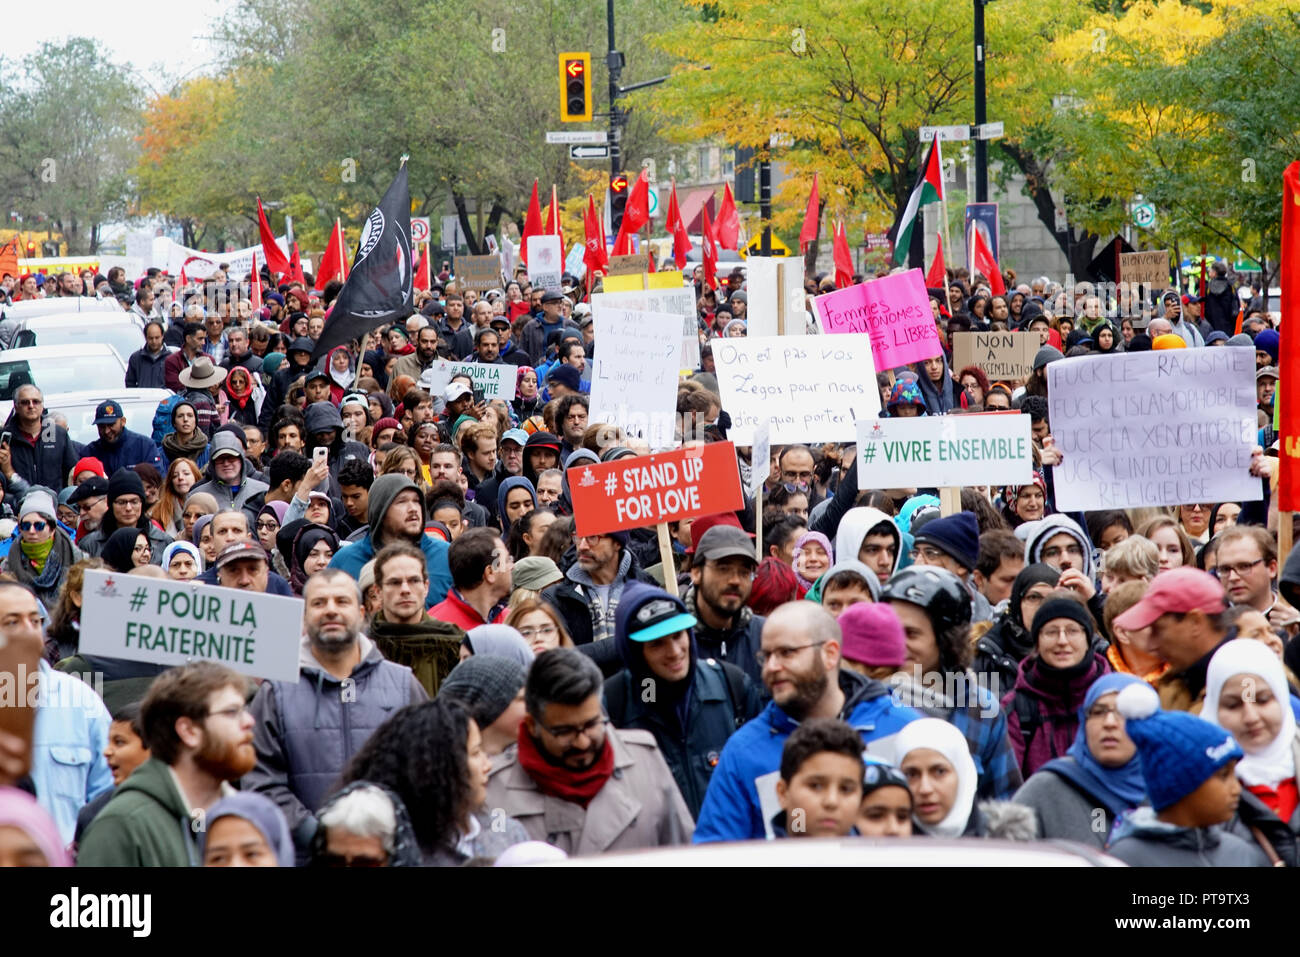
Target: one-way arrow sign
(588, 152)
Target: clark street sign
(588, 152)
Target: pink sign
(894, 311)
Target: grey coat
(1065, 812)
(489, 844)
(639, 806)
(307, 731)
(1144, 841)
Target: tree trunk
(462, 213)
(494, 219)
(1078, 246)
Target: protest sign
(673, 300)
(760, 457)
(650, 489)
(634, 380)
(544, 262)
(776, 296)
(1153, 428)
(894, 311)
(813, 388)
(497, 379)
(948, 450)
(629, 265)
(1150, 267)
(479, 273)
(1001, 355)
(645, 280)
(173, 623)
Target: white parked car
(57, 305)
(79, 407)
(121, 331)
(95, 367)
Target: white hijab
(944, 738)
(1246, 656)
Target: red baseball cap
(706, 522)
(1175, 592)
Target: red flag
(421, 280)
(681, 240)
(9, 258)
(295, 267)
(843, 257)
(331, 264)
(710, 250)
(937, 277)
(532, 225)
(727, 228)
(553, 221)
(255, 286)
(276, 261)
(983, 262)
(1288, 422)
(637, 211)
(811, 219)
(594, 256)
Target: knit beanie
(1268, 340)
(89, 464)
(1179, 751)
(486, 684)
(1168, 341)
(1055, 608)
(124, 482)
(905, 392)
(873, 635)
(1045, 355)
(957, 535)
(39, 502)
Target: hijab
(1246, 656)
(1120, 789)
(940, 736)
(308, 537)
(20, 810)
(182, 546)
(820, 539)
(259, 811)
(341, 378)
(200, 523)
(1039, 573)
(118, 550)
(506, 487)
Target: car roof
(73, 350)
(30, 308)
(93, 397)
(76, 319)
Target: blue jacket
(68, 766)
(131, 448)
(741, 800)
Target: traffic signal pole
(614, 61)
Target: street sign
(755, 247)
(989, 131)
(588, 152)
(928, 133)
(1144, 215)
(577, 136)
(654, 199)
(419, 229)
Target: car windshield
(125, 337)
(81, 418)
(60, 375)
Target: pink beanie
(873, 635)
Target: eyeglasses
(128, 500)
(34, 526)
(1199, 508)
(338, 860)
(927, 553)
(1101, 712)
(1241, 569)
(544, 631)
(566, 734)
(89, 504)
(232, 712)
(1072, 632)
(783, 655)
(267, 525)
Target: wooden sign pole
(758, 523)
(780, 300)
(949, 501)
(1284, 536)
(666, 557)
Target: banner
(649, 489)
(813, 388)
(544, 262)
(894, 311)
(479, 273)
(171, 256)
(950, 450)
(761, 283)
(634, 379)
(175, 623)
(1153, 428)
(672, 299)
(1001, 355)
(496, 379)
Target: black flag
(380, 288)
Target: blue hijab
(514, 482)
(1119, 789)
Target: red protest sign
(650, 489)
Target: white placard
(496, 379)
(679, 302)
(174, 623)
(1153, 428)
(814, 388)
(634, 382)
(760, 457)
(545, 264)
(947, 450)
(761, 287)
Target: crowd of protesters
(480, 684)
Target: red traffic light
(575, 68)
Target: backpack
(616, 694)
(1030, 718)
(162, 418)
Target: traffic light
(618, 189)
(575, 87)
(31, 250)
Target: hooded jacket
(573, 598)
(942, 398)
(741, 800)
(406, 849)
(1045, 528)
(145, 824)
(503, 489)
(855, 525)
(692, 720)
(307, 731)
(321, 417)
(738, 643)
(1143, 840)
(248, 495)
(353, 557)
(1220, 305)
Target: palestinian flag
(928, 189)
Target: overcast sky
(159, 39)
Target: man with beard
(426, 351)
(306, 731)
(800, 661)
(722, 576)
(200, 738)
(574, 781)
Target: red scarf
(564, 783)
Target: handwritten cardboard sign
(894, 311)
(1001, 355)
(545, 264)
(649, 489)
(634, 381)
(1148, 267)
(480, 273)
(629, 265)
